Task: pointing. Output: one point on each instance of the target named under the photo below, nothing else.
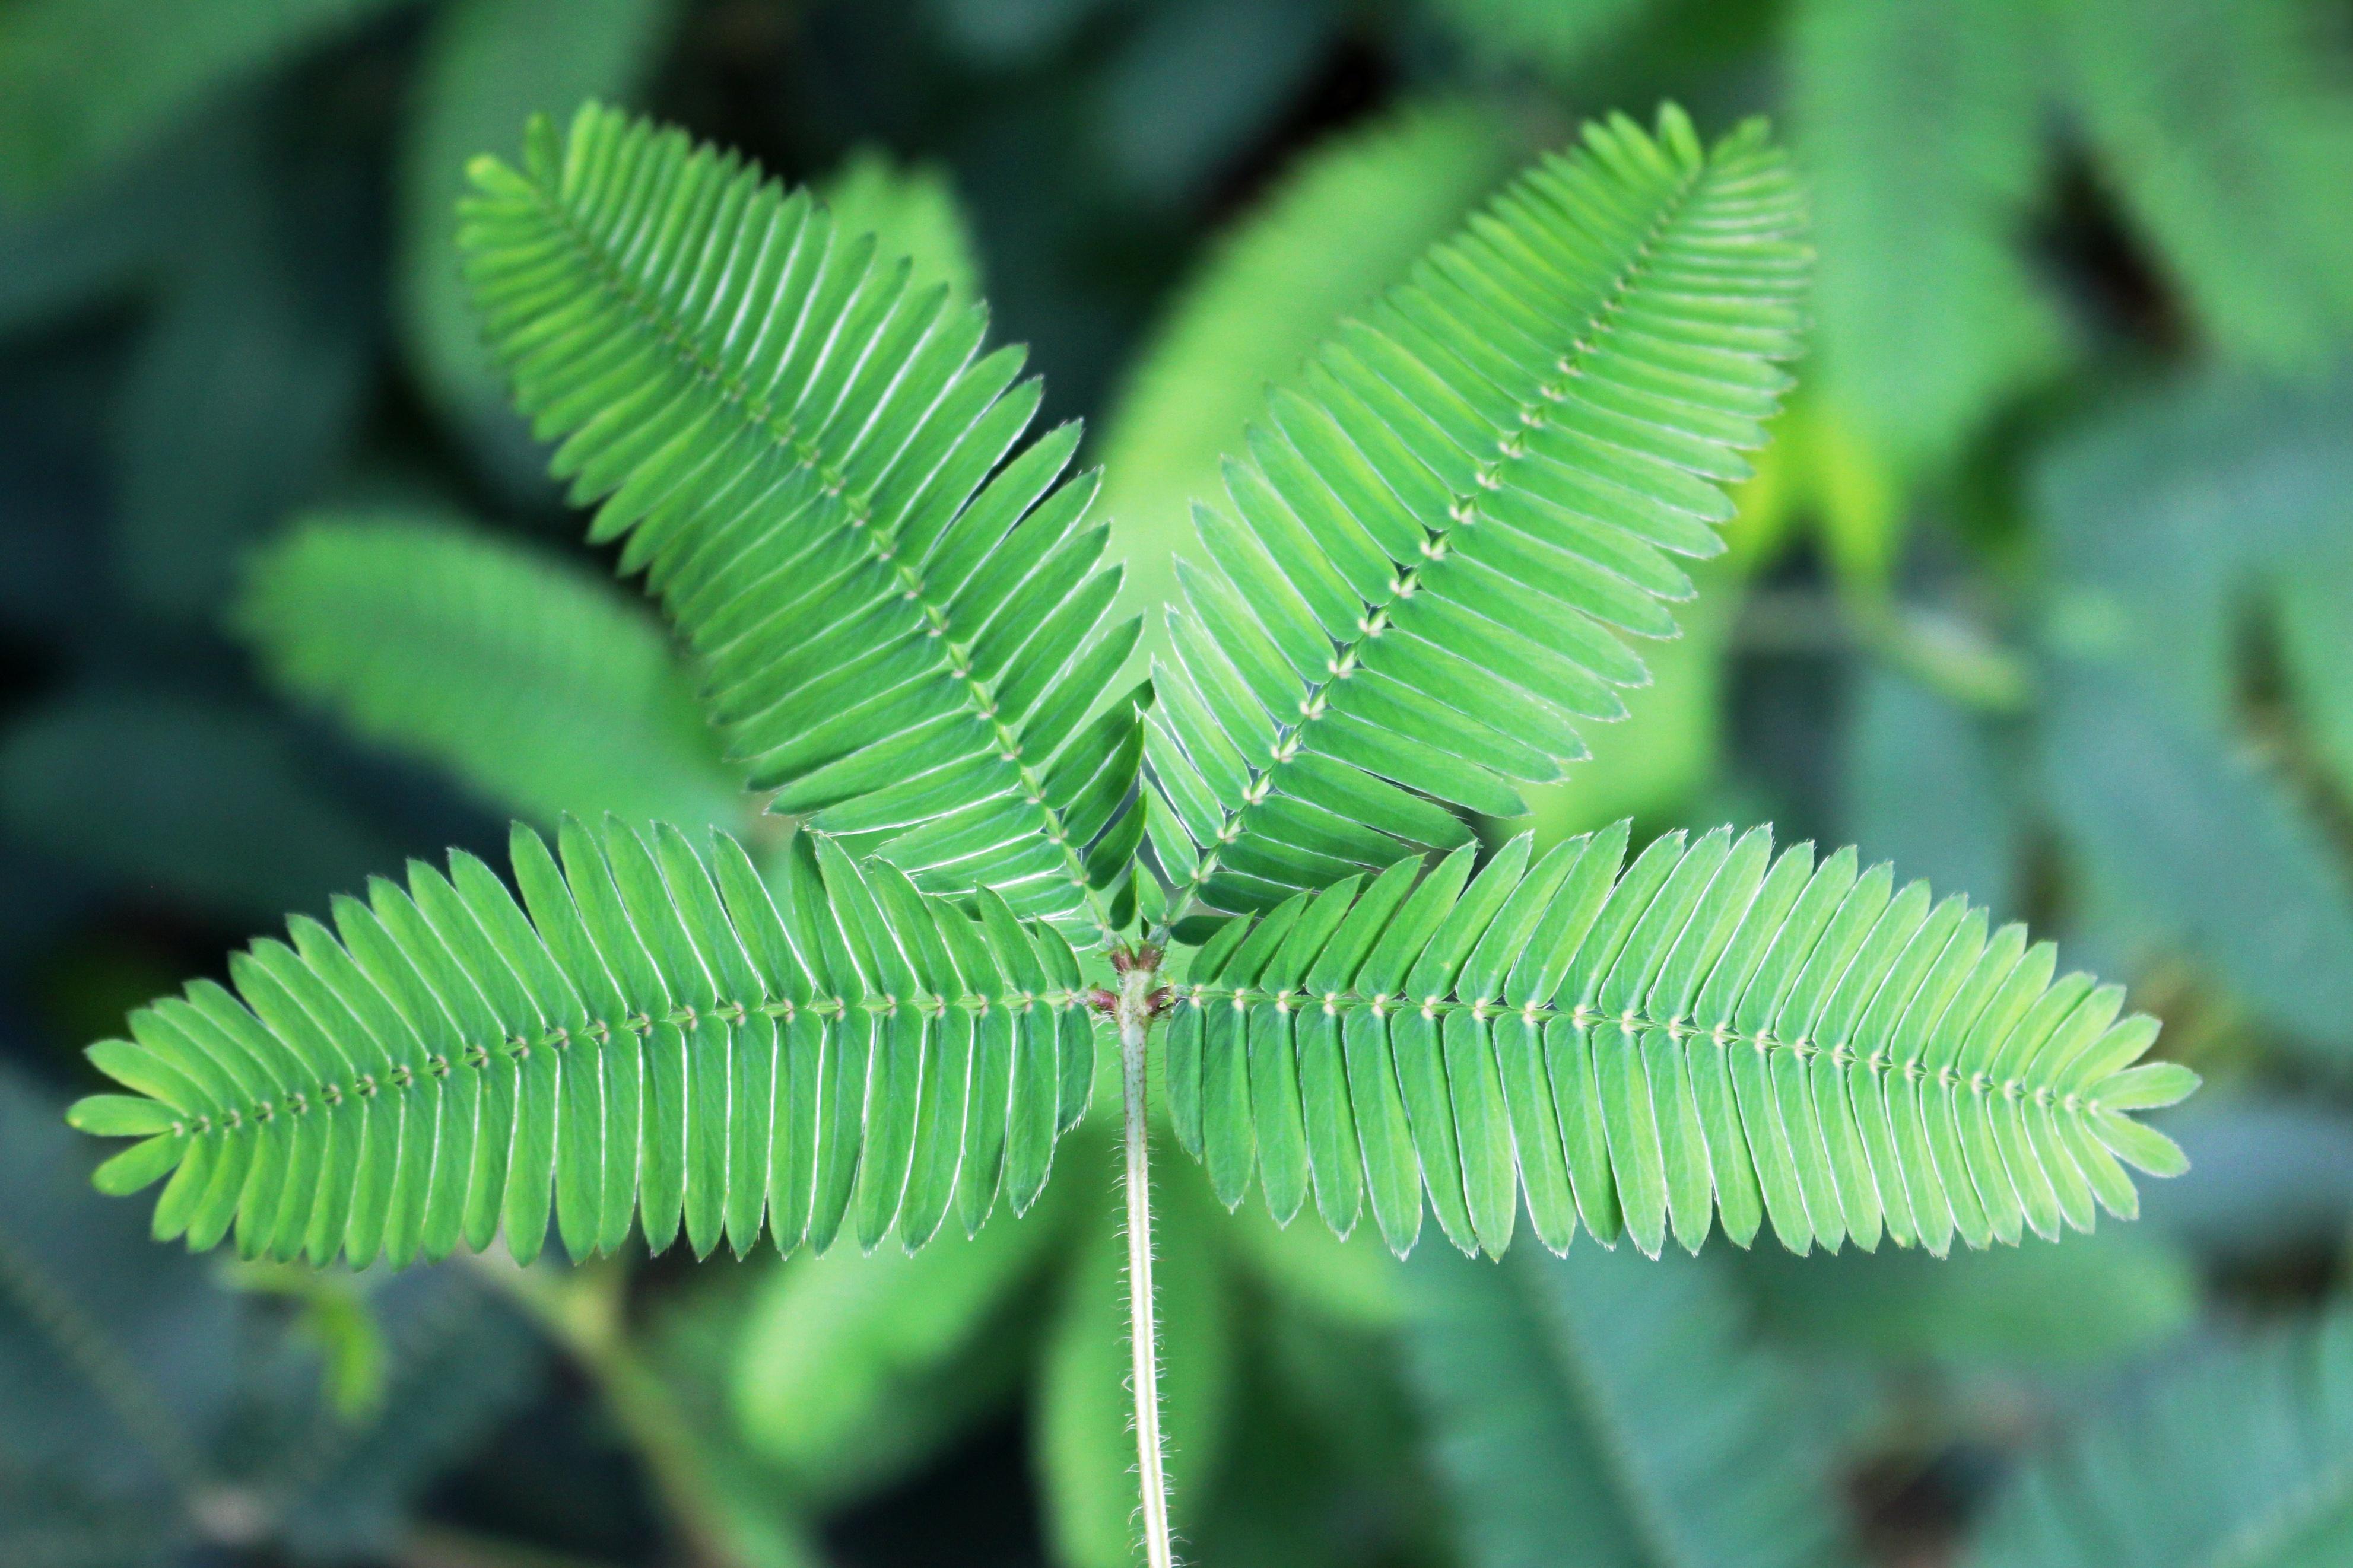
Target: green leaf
(2242, 1456)
(1085, 1440)
(2316, 642)
(134, 1375)
(1925, 785)
(2095, 1301)
(1697, 1037)
(911, 208)
(2167, 519)
(1346, 223)
(1917, 123)
(1481, 487)
(2143, 793)
(488, 65)
(529, 678)
(2218, 125)
(723, 1058)
(798, 447)
(1606, 1410)
(83, 82)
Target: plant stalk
(1137, 1004)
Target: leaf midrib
(1632, 1021)
(678, 339)
(478, 1056)
(1511, 448)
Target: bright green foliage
(652, 1029)
(2245, 1457)
(82, 84)
(1713, 1035)
(1432, 551)
(1258, 308)
(2216, 122)
(489, 65)
(525, 676)
(1434, 555)
(1614, 1412)
(1916, 122)
(910, 208)
(800, 450)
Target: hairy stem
(1136, 1005)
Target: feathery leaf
(1344, 224)
(2217, 123)
(1419, 591)
(649, 1031)
(487, 66)
(1916, 125)
(2244, 1457)
(1616, 1413)
(799, 449)
(1713, 1036)
(530, 677)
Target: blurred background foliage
(2045, 591)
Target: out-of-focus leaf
(488, 66)
(2187, 847)
(844, 1372)
(197, 803)
(528, 676)
(2088, 1299)
(88, 245)
(914, 209)
(332, 1314)
(1923, 788)
(116, 1356)
(1323, 1472)
(1604, 1409)
(83, 82)
(1194, 82)
(1357, 1283)
(48, 1522)
(1559, 37)
(2220, 126)
(1918, 122)
(2242, 1456)
(1085, 1450)
(247, 387)
(2167, 521)
(2316, 613)
(1002, 32)
(1345, 223)
(2265, 1176)
(140, 1402)
(1657, 760)
(456, 1362)
(2164, 514)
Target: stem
(1134, 1013)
